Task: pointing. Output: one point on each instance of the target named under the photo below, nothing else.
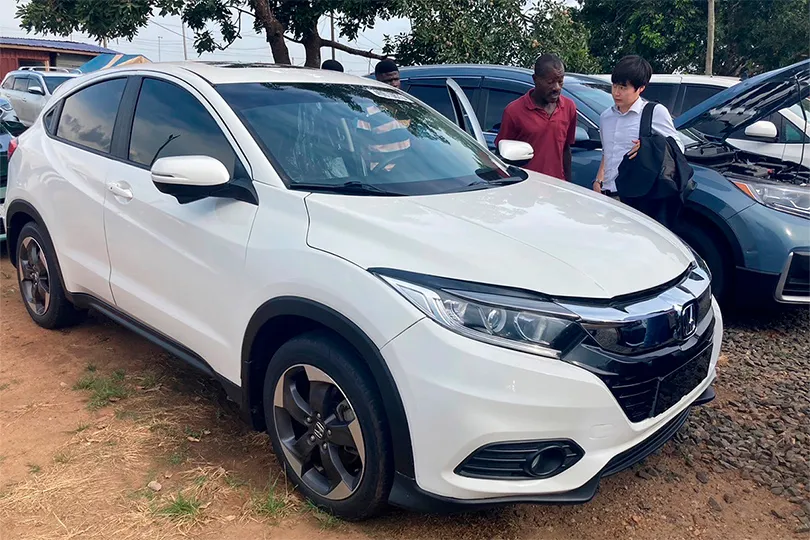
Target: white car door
(36, 98)
(71, 174)
(18, 96)
(465, 113)
(177, 264)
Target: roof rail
(45, 68)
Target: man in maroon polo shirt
(544, 118)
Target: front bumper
(460, 395)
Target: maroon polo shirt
(523, 120)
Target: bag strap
(645, 129)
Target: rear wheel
(38, 276)
(327, 426)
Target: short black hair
(632, 70)
(332, 65)
(547, 62)
(385, 66)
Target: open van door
(464, 112)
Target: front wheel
(326, 422)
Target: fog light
(547, 462)
(524, 460)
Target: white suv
(411, 319)
(29, 89)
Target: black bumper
(406, 494)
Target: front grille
(797, 282)
(511, 460)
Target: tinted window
(47, 120)
(698, 94)
(596, 96)
(496, 103)
(331, 134)
(171, 122)
(792, 133)
(776, 119)
(438, 97)
(21, 84)
(88, 116)
(8, 84)
(54, 82)
(662, 93)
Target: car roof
(485, 70)
(710, 80)
(243, 72)
(43, 73)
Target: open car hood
(749, 101)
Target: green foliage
(491, 32)
(671, 34)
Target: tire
(304, 364)
(717, 256)
(39, 280)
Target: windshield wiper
(353, 187)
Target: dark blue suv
(757, 247)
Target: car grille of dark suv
(797, 281)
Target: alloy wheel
(319, 432)
(34, 276)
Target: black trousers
(665, 211)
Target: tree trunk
(710, 40)
(312, 45)
(274, 31)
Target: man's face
(548, 85)
(392, 78)
(624, 95)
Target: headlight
(784, 197)
(516, 322)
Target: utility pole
(159, 57)
(710, 40)
(332, 17)
(185, 51)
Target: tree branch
(350, 50)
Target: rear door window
(696, 94)
(8, 84)
(497, 100)
(664, 94)
(88, 116)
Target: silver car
(29, 89)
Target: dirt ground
(90, 416)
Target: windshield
(334, 135)
(594, 95)
(54, 82)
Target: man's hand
(597, 186)
(634, 151)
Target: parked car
(29, 89)
(8, 130)
(783, 134)
(412, 320)
(7, 112)
(753, 233)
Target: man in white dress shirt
(619, 125)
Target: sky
(162, 40)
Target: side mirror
(36, 90)
(762, 130)
(193, 171)
(582, 135)
(515, 152)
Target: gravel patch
(760, 423)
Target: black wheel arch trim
(20, 206)
(368, 350)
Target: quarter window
(169, 121)
(21, 84)
(88, 116)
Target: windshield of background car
(54, 82)
(334, 134)
(594, 95)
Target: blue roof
(54, 44)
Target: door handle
(120, 190)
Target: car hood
(749, 101)
(543, 235)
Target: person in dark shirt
(387, 71)
(545, 119)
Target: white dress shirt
(618, 131)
